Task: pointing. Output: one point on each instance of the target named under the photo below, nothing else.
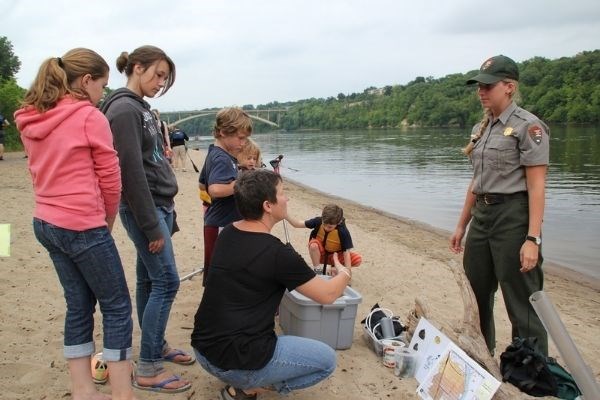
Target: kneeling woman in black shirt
(234, 335)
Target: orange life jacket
(331, 240)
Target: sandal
(99, 369)
(160, 386)
(239, 394)
(172, 354)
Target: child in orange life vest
(329, 236)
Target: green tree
(562, 90)
(10, 93)
(9, 62)
(10, 99)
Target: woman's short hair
(231, 120)
(252, 189)
(146, 56)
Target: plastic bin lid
(350, 296)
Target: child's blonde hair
(250, 149)
(231, 120)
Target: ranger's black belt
(499, 198)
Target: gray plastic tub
(330, 323)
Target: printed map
(457, 377)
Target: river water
(420, 174)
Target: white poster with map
(456, 376)
(429, 344)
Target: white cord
(371, 330)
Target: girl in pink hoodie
(77, 185)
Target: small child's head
(232, 128)
(249, 157)
(331, 217)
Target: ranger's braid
(485, 121)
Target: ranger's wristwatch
(534, 239)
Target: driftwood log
(468, 335)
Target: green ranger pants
(492, 248)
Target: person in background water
(77, 185)
(509, 152)
(233, 336)
(3, 124)
(276, 163)
(178, 139)
(329, 239)
(147, 210)
(219, 172)
(164, 130)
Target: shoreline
(550, 267)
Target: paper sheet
(4, 240)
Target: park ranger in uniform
(509, 152)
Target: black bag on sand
(376, 317)
(533, 373)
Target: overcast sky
(253, 52)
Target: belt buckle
(486, 201)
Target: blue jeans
(297, 363)
(157, 282)
(90, 270)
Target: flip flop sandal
(171, 356)
(239, 394)
(160, 386)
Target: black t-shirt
(248, 274)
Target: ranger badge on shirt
(508, 131)
(535, 132)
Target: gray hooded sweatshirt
(148, 179)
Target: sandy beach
(403, 260)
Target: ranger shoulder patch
(535, 133)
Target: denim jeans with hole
(90, 270)
(297, 363)
(157, 282)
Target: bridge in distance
(257, 115)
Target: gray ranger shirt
(513, 141)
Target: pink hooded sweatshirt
(73, 164)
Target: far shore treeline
(564, 90)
